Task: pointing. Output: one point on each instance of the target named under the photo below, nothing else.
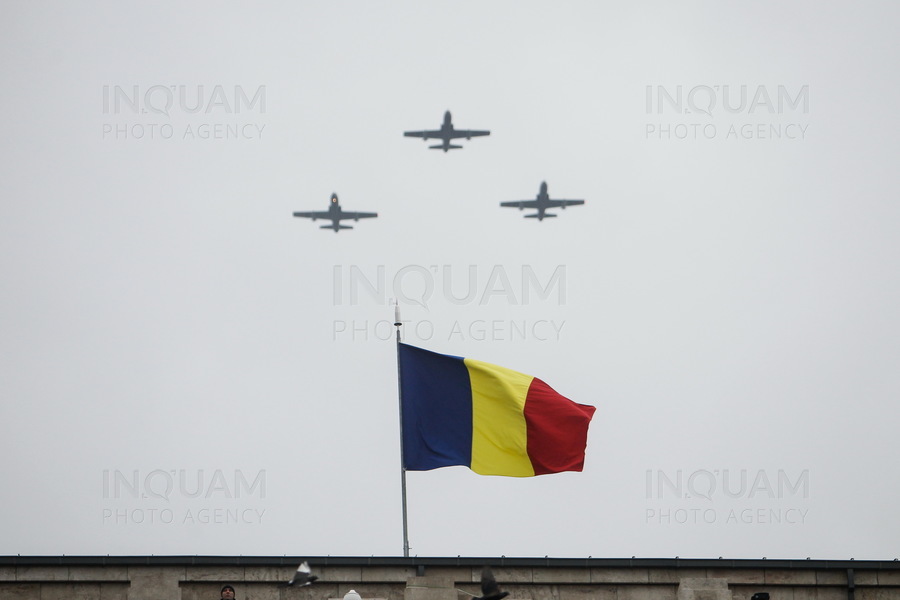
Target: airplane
(336, 214)
(542, 202)
(446, 133)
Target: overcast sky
(185, 368)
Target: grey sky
(726, 297)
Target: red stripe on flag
(557, 430)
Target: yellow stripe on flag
(499, 432)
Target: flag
(496, 421)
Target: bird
(489, 588)
(302, 577)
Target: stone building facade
(414, 578)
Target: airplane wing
(468, 133)
(423, 134)
(564, 203)
(521, 204)
(313, 214)
(356, 216)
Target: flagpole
(398, 324)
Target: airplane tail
(540, 217)
(335, 228)
(443, 147)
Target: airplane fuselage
(335, 213)
(543, 201)
(447, 132)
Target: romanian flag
(459, 411)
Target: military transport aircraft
(336, 214)
(446, 133)
(542, 202)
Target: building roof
(416, 561)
